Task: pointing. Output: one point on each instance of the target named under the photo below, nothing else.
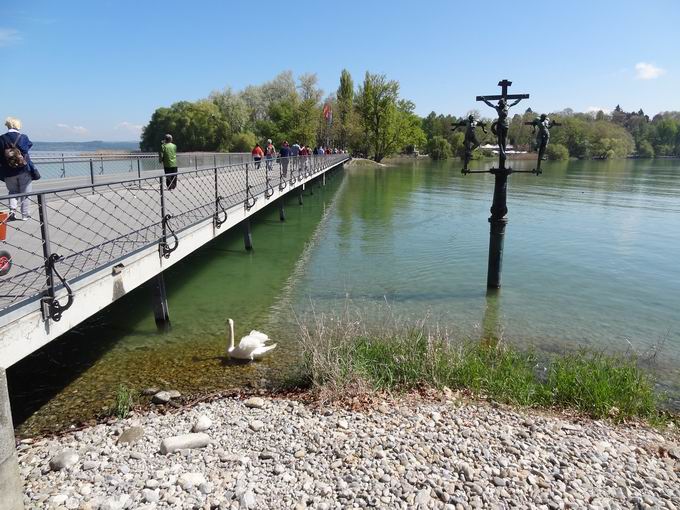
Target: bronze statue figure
(470, 143)
(501, 125)
(542, 126)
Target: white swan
(251, 346)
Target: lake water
(590, 260)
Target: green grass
(124, 400)
(340, 356)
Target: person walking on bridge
(269, 154)
(257, 154)
(285, 158)
(16, 167)
(168, 156)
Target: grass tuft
(123, 402)
(341, 356)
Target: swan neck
(231, 335)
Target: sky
(96, 70)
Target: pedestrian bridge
(92, 239)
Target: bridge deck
(95, 228)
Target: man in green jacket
(168, 156)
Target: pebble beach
(418, 453)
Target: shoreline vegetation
(372, 119)
(344, 361)
(341, 356)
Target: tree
(388, 124)
(233, 108)
(439, 148)
(243, 142)
(196, 126)
(556, 151)
(345, 100)
(645, 149)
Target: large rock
(254, 403)
(189, 480)
(162, 397)
(64, 460)
(203, 423)
(131, 435)
(174, 443)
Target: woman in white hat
(15, 166)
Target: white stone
(256, 425)
(203, 423)
(64, 460)
(162, 397)
(254, 403)
(185, 441)
(247, 500)
(189, 480)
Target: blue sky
(84, 70)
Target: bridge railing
(94, 168)
(76, 230)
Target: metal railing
(93, 166)
(76, 230)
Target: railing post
(92, 174)
(63, 166)
(139, 172)
(163, 229)
(47, 254)
(101, 165)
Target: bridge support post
(282, 211)
(323, 179)
(161, 311)
(247, 235)
(10, 481)
(300, 190)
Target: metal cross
(504, 84)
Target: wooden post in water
(11, 489)
(161, 311)
(300, 189)
(247, 235)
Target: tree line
(596, 135)
(371, 119)
(374, 121)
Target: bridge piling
(11, 487)
(161, 311)
(247, 235)
(282, 211)
(300, 189)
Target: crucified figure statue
(501, 125)
(542, 128)
(470, 142)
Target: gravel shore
(409, 453)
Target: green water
(590, 260)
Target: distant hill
(96, 145)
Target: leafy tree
(196, 126)
(243, 142)
(439, 148)
(233, 108)
(645, 149)
(388, 123)
(557, 151)
(345, 108)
